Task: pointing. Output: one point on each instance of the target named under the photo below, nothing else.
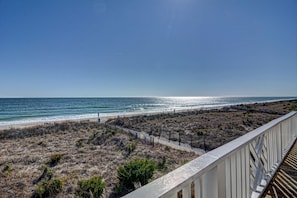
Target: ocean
(31, 110)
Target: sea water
(31, 110)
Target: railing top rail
(202, 164)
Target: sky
(101, 48)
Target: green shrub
(167, 148)
(92, 187)
(130, 147)
(99, 138)
(293, 107)
(46, 175)
(79, 143)
(134, 172)
(7, 169)
(161, 165)
(55, 158)
(112, 131)
(48, 189)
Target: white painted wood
(233, 176)
(243, 173)
(197, 188)
(238, 174)
(210, 184)
(221, 172)
(187, 191)
(228, 177)
(247, 171)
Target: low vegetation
(161, 164)
(55, 159)
(7, 169)
(135, 174)
(46, 175)
(93, 187)
(33, 159)
(79, 143)
(130, 147)
(293, 107)
(49, 188)
(207, 129)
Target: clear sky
(96, 48)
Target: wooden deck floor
(284, 182)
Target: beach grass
(31, 158)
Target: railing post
(197, 185)
(221, 172)
(243, 172)
(233, 176)
(269, 148)
(238, 174)
(294, 120)
(247, 171)
(187, 191)
(279, 143)
(210, 184)
(228, 177)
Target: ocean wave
(17, 111)
(47, 119)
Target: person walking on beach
(98, 118)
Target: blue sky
(95, 48)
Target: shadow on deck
(284, 182)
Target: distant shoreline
(103, 119)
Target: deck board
(284, 182)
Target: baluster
(228, 177)
(197, 184)
(210, 184)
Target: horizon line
(227, 96)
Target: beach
(86, 150)
(26, 151)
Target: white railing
(240, 168)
